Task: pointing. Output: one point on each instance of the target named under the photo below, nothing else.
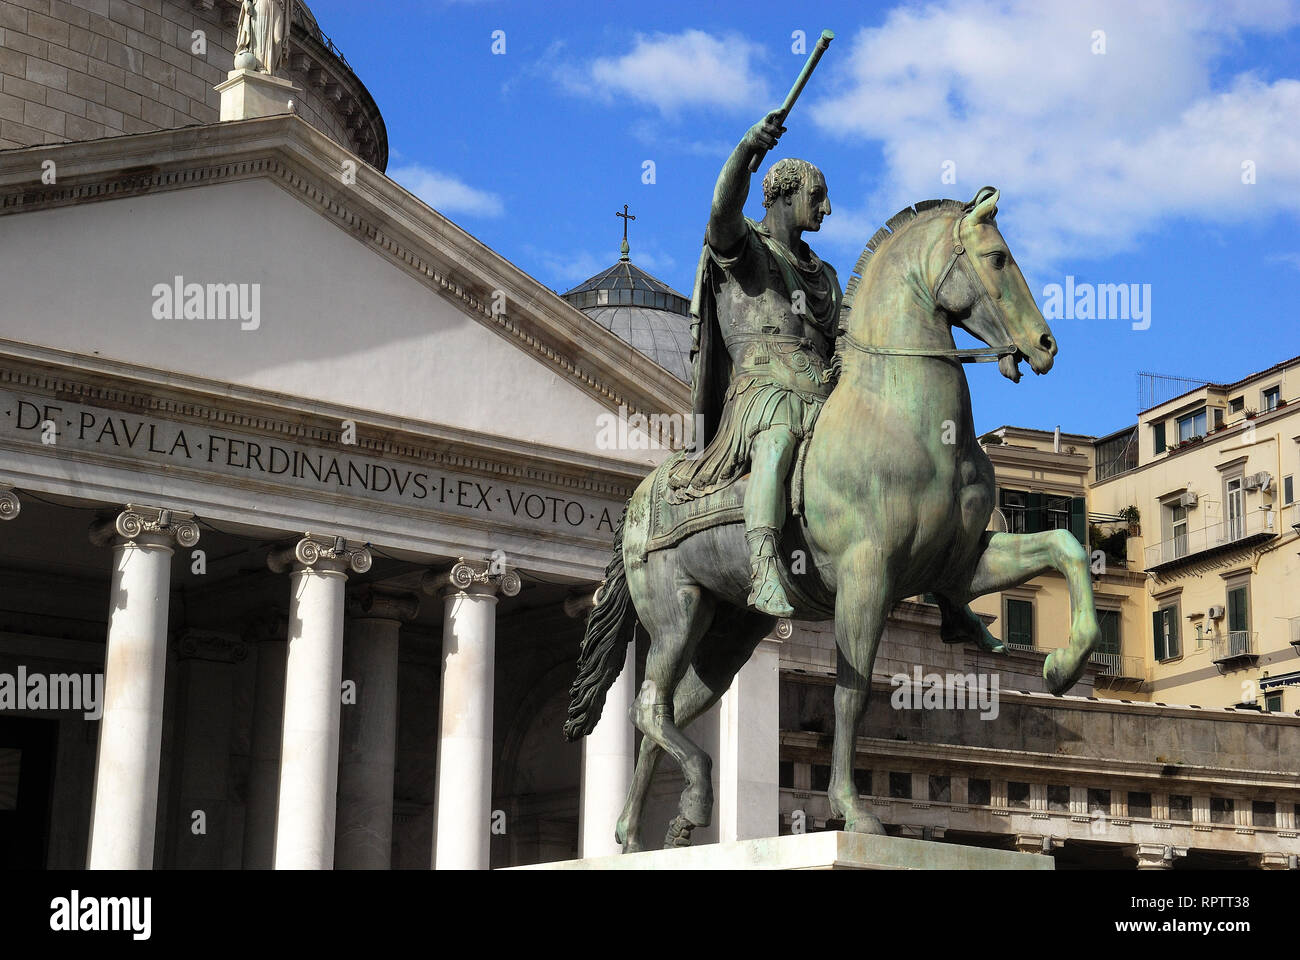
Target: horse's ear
(985, 205)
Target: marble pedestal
(815, 851)
(247, 94)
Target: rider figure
(766, 313)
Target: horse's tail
(609, 630)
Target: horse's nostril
(1048, 343)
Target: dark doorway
(26, 777)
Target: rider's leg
(769, 463)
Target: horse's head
(984, 293)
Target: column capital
(783, 630)
(319, 552)
(137, 523)
(1157, 856)
(369, 602)
(10, 505)
(480, 578)
(1277, 861)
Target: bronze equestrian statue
(866, 412)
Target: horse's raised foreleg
(1010, 559)
(674, 636)
(716, 663)
(861, 605)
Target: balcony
(1235, 649)
(1253, 527)
(1114, 667)
(1295, 632)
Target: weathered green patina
(897, 495)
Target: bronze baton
(822, 43)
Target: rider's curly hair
(785, 177)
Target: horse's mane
(892, 226)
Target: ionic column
(309, 743)
(608, 754)
(10, 505)
(463, 805)
(124, 810)
(368, 750)
(749, 756)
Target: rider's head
(799, 188)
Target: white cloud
(445, 193)
(1090, 150)
(672, 71)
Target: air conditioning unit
(1216, 613)
(1188, 499)
(1258, 481)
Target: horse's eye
(999, 260)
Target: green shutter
(1158, 632)
(1020, 622)
(1175, 642)
(1158, 431)
(1237, 618)
(1079, 519)
(1035, 513)
(1108, 620)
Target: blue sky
(1124, 137)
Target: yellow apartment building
(1191, 520)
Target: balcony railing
(1251, 526)
(1236, 645)
(1295, 631)
(1119, 666)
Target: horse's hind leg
(717, 661)
(861, 606)
(1010, 559)
(677, 628)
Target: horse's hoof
(865, 824)
(679, 833)
(1059, 676)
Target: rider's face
(811, 203)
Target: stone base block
(246, 94)
(815, 851)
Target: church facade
(305, 493)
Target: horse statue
(895, 501)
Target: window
(1236, 404)
(821, 776)
(1014, 508)
(1192, 425)
(1158, 436)
(1139, 804)
(1177, 531)
(940, 788)
(1058, 798)
(1098, 801)
(862, 782)
(1288, 489)
(1108, 620)
(1273, 701)
(1221, 810)
(1058, 513)
(1164, 625)
(1019, 620)
(1263, 813)
(1271, 396)
(1238, 621)
(1017, 794)
(1218, 417)
(900, 786)
(785, 773)
(1234, 511)
(1180, 807)
(979, 792)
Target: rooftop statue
(260, 35)
(843, 476)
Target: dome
(642, 310)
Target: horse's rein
(960, 354)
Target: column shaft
(748, 765)
(608, 759)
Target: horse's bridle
(961, 354)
